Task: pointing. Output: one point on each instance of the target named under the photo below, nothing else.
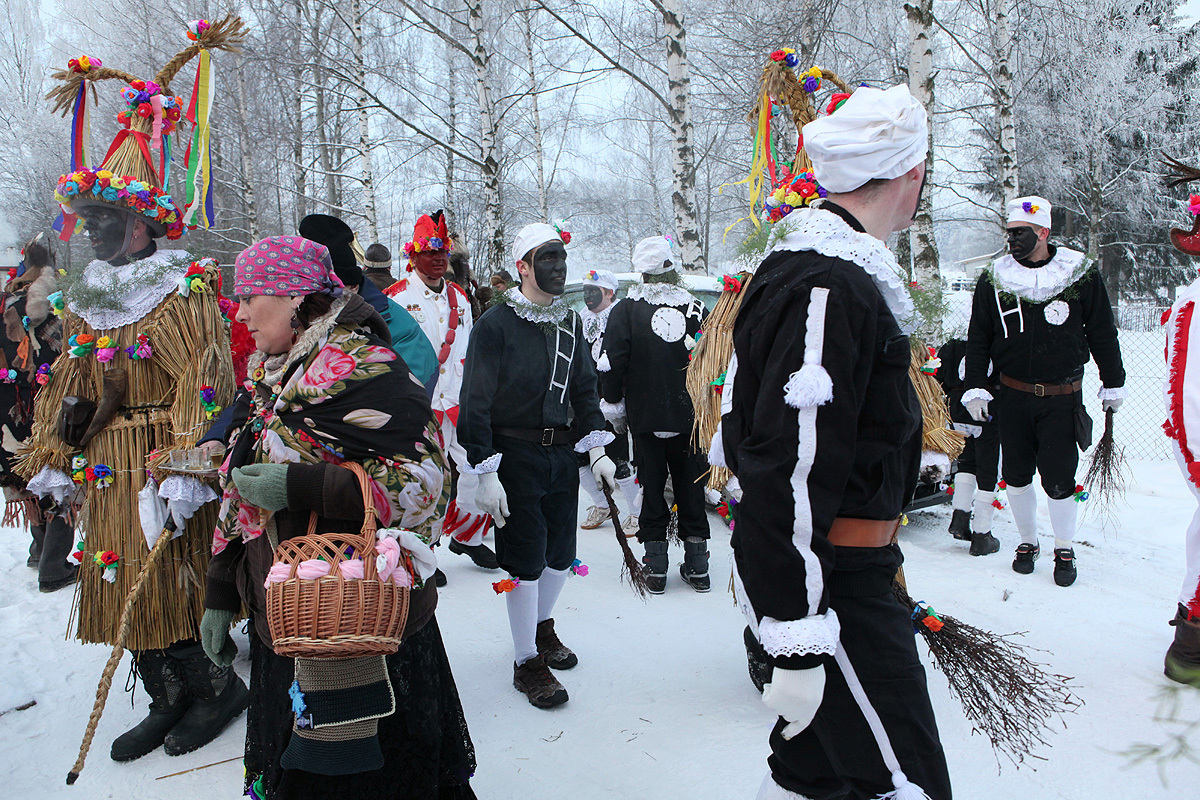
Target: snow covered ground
(661, 706)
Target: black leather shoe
(1026, 555)
(960, 525)
(481, 554)
(984, 544)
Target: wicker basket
(332, 617)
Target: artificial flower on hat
(1032, 209)
(428, 234)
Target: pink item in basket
(278, 574)
(352, 570)
(312, 569)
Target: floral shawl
(339, 395)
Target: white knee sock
(982, 521)
(964, 491)
(522, 604)
(629, 488)
(1062, 519)
(588, 482)
(549, 587)
(1023, 502)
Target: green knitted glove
(214, 636)
(263, 485)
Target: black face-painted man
(116, 236)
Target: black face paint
(592, 297)
(550, 268)
(106, 229)
(1022, 241)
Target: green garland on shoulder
(102, 289)
(1085, 268)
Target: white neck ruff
(828, 234)
(1041, 284)
(530, 311)
(138, 298)
(660, 294)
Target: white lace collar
(595, 322)
(1040, 284)
(660, 294)
(139, 297)
(530, 311)
(828, 234)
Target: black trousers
(836, 757)
(1038, 434)
(542, 486)
(656, 459)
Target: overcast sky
(1190, 9)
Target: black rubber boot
(1026, 555)
(218, 698)
(1064, 566)
(1182, 663)
(654, 567)
(694, 568)
(480, 554)
(162, 676)
(439, 578)
(984, 544)
(54, 571)
(960, 525)
(35, 547)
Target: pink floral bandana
(288, 266)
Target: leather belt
(546, 437)
(851, 532)
(1042, 389)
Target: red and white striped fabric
(1182, 394)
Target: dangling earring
(295, 321)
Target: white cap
(650, 255)
(601, 278)
(874, 134)
(1032, 209)
(531, 236)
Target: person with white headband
(1038, 314)
(527, 370)
(823, 433)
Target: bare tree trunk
(364, 123)
(1010, 187)
(650, 160)
(538, 148)
(452, 117)
(247, 187)
(926, 269)
(324, 151)
(490, 141)
(683, 195)
(903, 251)
(300, 175)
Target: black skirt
(427, 750)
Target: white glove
(977, 407)
(604, 470)
(1112, 404)
(795, 695)
(491, 499)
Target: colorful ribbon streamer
(80, 130)
(198, 158)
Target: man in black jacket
(824, 435)
(1039, 313)
(527, 370)
(647, 346)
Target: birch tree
(926, 270)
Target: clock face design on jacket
(1056, 313)
(668, 324)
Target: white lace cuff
(797, 637)
(612, 411)
(976, 394)
(1119, 393)
(594, 439)
(51, 482)
(184, 495)
(489, 464)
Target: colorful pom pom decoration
(506, 585)
(208, 399)
(579, 568)
(1081, 494)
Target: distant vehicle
(706, 289)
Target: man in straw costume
(1038, 314)
(443, 310)
(527, 370)
(644, 374)
(145, 343)
(823, 414)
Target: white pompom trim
(603, 364)
(809, 386)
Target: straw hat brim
(80, 202)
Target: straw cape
(157, 321)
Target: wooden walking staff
(114, 659)
(632, 570)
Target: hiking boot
(480, 554)
(535, 680)
(756, 661)
(439, 578)
(630, 526)
(162, 676)
(1026, 555)
(960, 525)
(596, 517)
(984, 544)
(1182, 663)
(218, 698)
(694, 569)
(1064, 566)
(35, 547)
(556, 654)
(54, 571)
(654, 567)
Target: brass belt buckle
(547, 437)
(1039, 390)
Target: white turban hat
(651, 254)
(601, 278)
(1034, 210)
(876, 133)
(531, 236)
